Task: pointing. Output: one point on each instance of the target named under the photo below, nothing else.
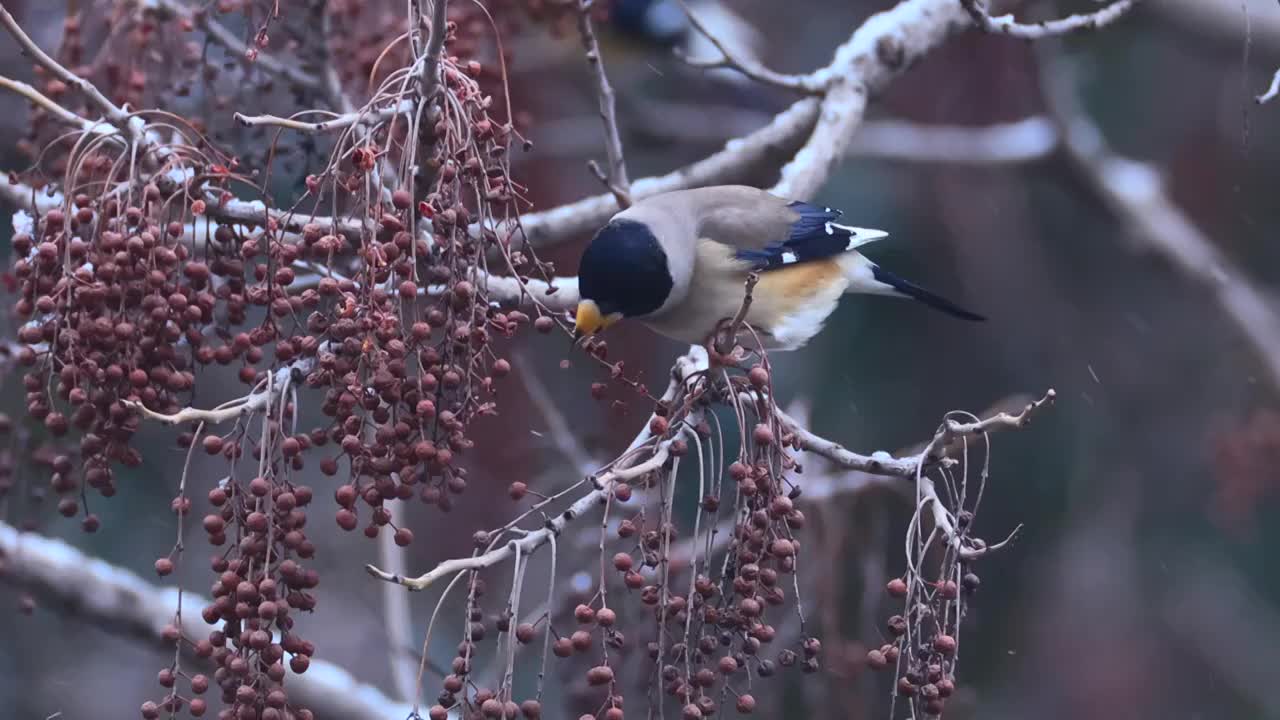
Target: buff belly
(789, 304)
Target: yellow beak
(590, 321)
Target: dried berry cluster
(924, 640)
(409, 359)
(119, 314)
(147, 276)
(699, 620)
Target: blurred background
(1141, 584)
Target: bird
(679, 262)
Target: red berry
(897, 588)
(763, 434)
(944, 644)
(346, 519)
(600, 675)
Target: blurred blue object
(661, 22)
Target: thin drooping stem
(616, 178)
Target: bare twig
(59, 112)
(120, 601)
(218, 33)
(533, 540)
(724, 340)
(746, 65)
(1007, 25)
(616, 179)
(627, 468)
(952, 429)
(337, 122)
(781, 135)
(262, 397)
(939, 448)
(881, 49)
(123, 121)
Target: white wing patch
(789, 258)
(857, 236)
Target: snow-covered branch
(1007, 25)
(117, 600)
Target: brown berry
(944, 644)
(762, 434)
(600, 675)
(897, 587)
(897, 625)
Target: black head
(624, 270)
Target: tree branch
(1007, 25)
(629, 466)
(939, 448)
(119, 601)
(1135, 192)
(746, 65)
(218, 33)
(1029, 140)
(881, 49)
(264, 395)
(435, 47)
(616, 179)
(337, 122)
(782, 135)
(558, 295)
(53, 108)
(123, 121)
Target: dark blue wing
(815, 235)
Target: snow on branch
(128, 124)
(117, 600)
(879, 50)
(1007, 25)
(645, 454)
(939, 448)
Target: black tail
(916, 292)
